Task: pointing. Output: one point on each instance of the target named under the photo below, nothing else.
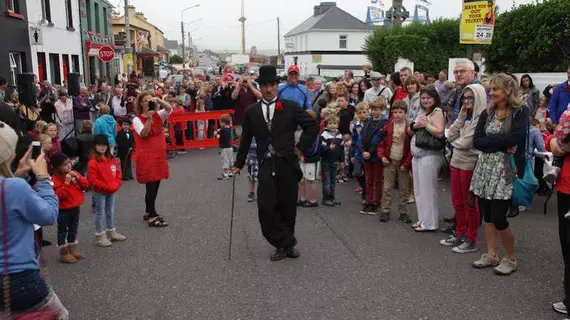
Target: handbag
(426, 140)
(43, 314)
(525, 188)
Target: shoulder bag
(44, 314)
(524, 189)
(426, 140)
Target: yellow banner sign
(477, 22)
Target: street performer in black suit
(273, 123)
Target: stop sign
(106, 54)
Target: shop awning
(144, 51)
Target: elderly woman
(22, 207)
(151, 165)
(64, 120)
(499, 135)
(427, 162)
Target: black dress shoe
(279, 254)
(293, 253)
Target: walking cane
(232, 216)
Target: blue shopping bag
(525, 188)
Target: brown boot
(73, 251)
(64, 256)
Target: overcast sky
(220, 28)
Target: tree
(429, 46)
(176, 59)
(531, 38)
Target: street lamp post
(182, 28)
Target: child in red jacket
(394, 151)
(68, 186)
(104, 175)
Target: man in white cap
(377, 88)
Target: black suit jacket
(124, 144)
(282, 133)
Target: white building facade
(55, 39)
(327, 43)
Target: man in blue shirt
(293, 90)
(560, 100)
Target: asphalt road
(352, 266)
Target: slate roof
(333, 19)
(171, 44)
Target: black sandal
(157, 222)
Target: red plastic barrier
(191, 119)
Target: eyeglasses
(467, 98)
(461, 71)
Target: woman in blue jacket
(23, 208)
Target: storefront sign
(106, 54)
(477, 22)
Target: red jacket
(400, 94)
(70, 195)
(386, 144)
(562, 184)
(105, 175)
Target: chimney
(325, 6)
(317, 10)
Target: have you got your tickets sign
(477, 22)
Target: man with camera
(245, 94)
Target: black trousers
(277, 201)
(563, 204)
(150, 198)
(126, 164)
(538, 173)
(67, 225)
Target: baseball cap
(293, 68)
(375, 75)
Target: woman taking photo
(499, 135)
(151, 165)
(427, 162)
(26, 290)
(474, 101)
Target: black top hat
(267, 74)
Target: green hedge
(429, 46)
(530, 38)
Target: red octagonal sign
(106, 54)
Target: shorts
(252, 169)
(309, 170)
(227, 158)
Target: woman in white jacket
(473, 102)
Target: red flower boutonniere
(279, 106)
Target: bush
(176, 59)
(531, 38)
(429, 46)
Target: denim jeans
(67, 225)
(103, 204)
(329, 179)
(27, 289)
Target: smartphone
(36, 149)
(151, 105)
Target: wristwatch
(44, 177)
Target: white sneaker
(560, 307)
(551, 176)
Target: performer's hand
(236, 171)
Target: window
(13, 5)
(65, 65)
(42, 68)
(105, 21)
(342, 41)
(97, 21)
(75, 63)
(88, 13)
(54, 68)
(69, 13)
(15, 66)
(46, 11)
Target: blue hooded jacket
(106, 125)
(297, 93)
(375, 137)
(559, 101)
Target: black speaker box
(73, 84)
(26, 89)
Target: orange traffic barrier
(200, 124)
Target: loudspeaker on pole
(73, 84)
(26, 89)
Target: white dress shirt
(118, 110)
(271, 109)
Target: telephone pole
(278, 43)
(128, 47)
(183, 46)
(190, 51)
(242, 20)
